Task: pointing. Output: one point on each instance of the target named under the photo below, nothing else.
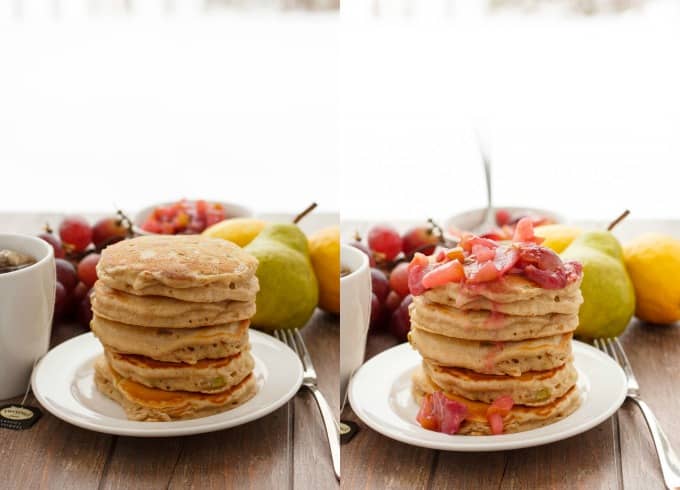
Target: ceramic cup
(355, 313)
(26, 308)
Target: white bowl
(470, 219)
(231, 211)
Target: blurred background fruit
(557, 237)
(240, 231)
(653, 262)
(324, 251)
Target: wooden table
(286, 449)
(616, 454)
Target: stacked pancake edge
(172, 313)
(509, 337)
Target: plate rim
(126, 428)
(495, 444)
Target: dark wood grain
(286, 449)
(616, 454)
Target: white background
(582, 114)
(101, 109)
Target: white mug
(355, 313)
(26, 309)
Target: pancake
(513, 358)
(486, 325)
(175, 262)
(243, 290)
(551, 302)
(150, 404)
(519, 419)
(508, 289)
(159, 311)
(173, 344)
(205, 376)
(531, 388)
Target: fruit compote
(184, 217)
(478, 260)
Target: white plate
(63, 383)
(380, 394)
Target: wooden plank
(52, 454)
(322, 337)
(653, 351)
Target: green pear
(608, 294)
(288, 289)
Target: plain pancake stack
(172, 313)
(507, 337)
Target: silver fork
(669, 461)
(294, 340)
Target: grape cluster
(389, 254)
(76, 251)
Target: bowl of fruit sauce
(506, 217)
(185, 217)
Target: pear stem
(618, 220)
(304, 213)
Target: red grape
(66, 274)
(376, 313)
(399, 279)
(87, 269)
(84, 311)
(76, 233)
(56, 244)
(380, 284)
(385, 240)
(79, 292)
(366, 250)
(393, 301)
(503, 217)
(400, 321)
(420, 239)
(60, 301)
(107, 231)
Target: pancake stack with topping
(172, 313)
(493, 322)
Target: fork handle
(332, 431)
(669, 461)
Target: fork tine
(612, 351)
(291, 343)
(620, 353)
(306, 358)
(276, 334)
(598, 345)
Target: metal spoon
(488, 221)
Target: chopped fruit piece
(184, 217)
(418, 259)
(524, 232)
(449, 272)
(420, 239)
(455, 254)
(469, 240)
(399, 279)
(500, 407)
(483, 253)
(484, 272)
(385, 240)
(505, 259)
(441, 414)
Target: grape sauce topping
(478, 260)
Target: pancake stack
(172, 313)
(509, 337)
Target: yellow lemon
(324, 250)
(557, 237)
(240, 231)
(653, 262)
